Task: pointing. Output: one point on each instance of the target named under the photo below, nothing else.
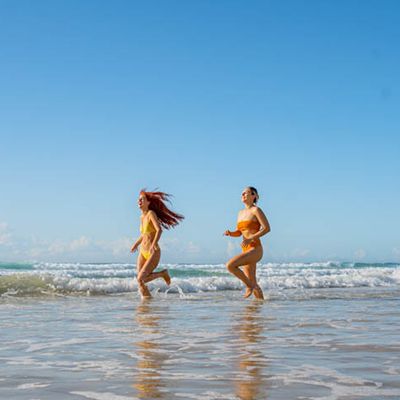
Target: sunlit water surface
(201, 346)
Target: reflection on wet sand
(249, 379)
(151, 355)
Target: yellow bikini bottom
(146, 254)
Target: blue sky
(298, 98)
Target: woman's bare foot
(144, 292)
(166, 277)
(258, 293)
(248, 292)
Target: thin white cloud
(169, 244)
(193, 248)
(88, 249)
(301, 252)
(360, 254)
(173, 246)
(38, 249)
(81, 243)
(56, 247)
(231, 248)
(5, 234)
(63, 247)
(118, 247)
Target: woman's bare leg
(249, 257)
(144, 291)
(150, 266)
(146, 273)
(250, 271)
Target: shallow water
(201, 346)
(54, 279)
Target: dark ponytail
(254, 192)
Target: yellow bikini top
(147, 228)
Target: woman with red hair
(155, 216)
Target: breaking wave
(38, 279)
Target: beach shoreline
(199, 346)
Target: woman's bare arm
(262, 219)
(153, 218)
(236, 233)
(136, 244)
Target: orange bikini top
(246, 224)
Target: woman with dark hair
(155, 216)
(252, 224)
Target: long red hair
(168, 219)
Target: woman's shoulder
(151, 213)
(255, 209)
(241, 212)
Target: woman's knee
(230, 266)
(141, 278)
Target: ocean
(326, 330)
(277, 279)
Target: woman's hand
(154, 248)
(134, 247)
(227, 233)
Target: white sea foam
(33, 385)
(103, 396)
(51, 345)
(340, 385)
(67, 278)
